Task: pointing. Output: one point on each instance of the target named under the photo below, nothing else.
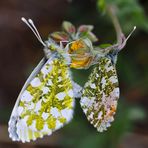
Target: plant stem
(111, 10)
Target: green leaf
(101, 5)
(105, 45)
(85, 28)
(85, 32)
(59, 36)
(91, 36)
(129, 12)
(68, 27)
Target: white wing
(45, 103)
(100, 95)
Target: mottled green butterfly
(46, 101)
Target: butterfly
(47, 99)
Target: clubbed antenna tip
(131, 33)
(31, 25)
(23, 19)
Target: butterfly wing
(14, 115)
(45, 104)
(100, 95)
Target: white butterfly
(46, 101)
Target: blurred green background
(20, 52)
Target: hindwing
(100, 95)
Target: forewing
(45, 105)
(100, 95)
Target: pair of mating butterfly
(46, 102)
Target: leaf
(85, 28)
(101, 5)
(105, 45)
(85, 32)
(59, 36)
(91, 36)
(130, 13)
(68, 27)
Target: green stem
(111, 10)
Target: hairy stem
(111, 10)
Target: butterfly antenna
(31, 25)
(120, 46)
(130, 34)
